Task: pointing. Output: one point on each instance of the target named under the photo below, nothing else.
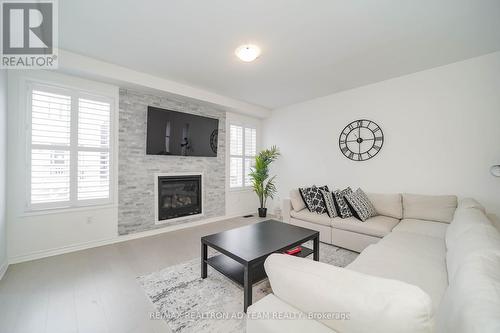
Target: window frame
(73, 148)
(243, 155)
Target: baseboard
(87, 245)
(3, 269)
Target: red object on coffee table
(295, 250)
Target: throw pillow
(340, 203)
(313, 198)
(304, 193)
(361, 205)
(329, 203)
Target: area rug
(215, 304)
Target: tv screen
(178, 133)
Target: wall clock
(214, 140)
(361, 140)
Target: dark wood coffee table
(244, 250)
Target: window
(70, 156)
(242, 150)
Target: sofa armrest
(272, 315)
(349, 301)
(286, 207)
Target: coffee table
(244, 250)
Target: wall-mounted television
(183, 134)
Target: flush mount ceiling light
(248, 52)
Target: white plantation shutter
(242, 148)
(250, 151)
(49, 176)
(70, 148)
(50, 147)
(50, 119)
(236, 156)
(93, 123)
(93, 164)
(250, 141)
(93, 175)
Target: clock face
(361, 140)
(213, 140)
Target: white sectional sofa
(420, 276)
(349, 233)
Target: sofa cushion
(360, 205)
(422, 227)
(296, 200)
(464, 219)
(412, 244)
(382, 305)
(478, 238)
(425, 272)
(257, 320)
(377, 226)
(471, 203)
(438, 208)
(312, 217)
(387, 204)
(471, 304)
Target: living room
(273, 166)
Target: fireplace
(178, 196)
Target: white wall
(441, 126)
(241, 201)
(3, 171)
(30, 233)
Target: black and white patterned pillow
(329, 203)
(313, 198)
(342, 207)
(361, 205)
(304, 193)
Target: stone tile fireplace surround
(139, 172)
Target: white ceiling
(309, 48)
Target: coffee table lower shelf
(234, 270)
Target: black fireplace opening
(178, 196)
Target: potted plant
(262, 184)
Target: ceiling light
(248, 52)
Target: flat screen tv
(178, 133)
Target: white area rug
(215, 304)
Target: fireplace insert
(178, 196)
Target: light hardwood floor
(95, 290)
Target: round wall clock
(361, 140)
(213, 140)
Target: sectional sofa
(425, 266)
(349, 233)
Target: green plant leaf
(259, 173)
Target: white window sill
(241, 189)
(49, 211)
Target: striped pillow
(329, 203)
(361, 206)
